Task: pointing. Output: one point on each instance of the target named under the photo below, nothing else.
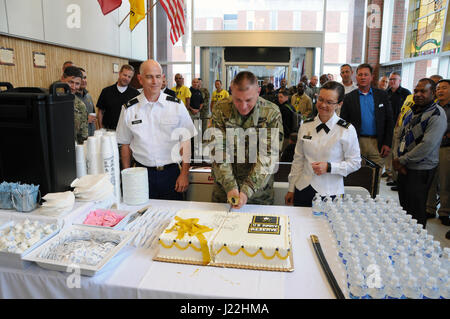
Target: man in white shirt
(346, 75)
(156, 129)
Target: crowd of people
(325, 129)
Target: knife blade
(138, 213)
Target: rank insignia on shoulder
(173, 99)
(343, 123)
(131, 102)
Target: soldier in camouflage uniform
(250, 180)
(72, 76)
(80, 117)
(204, 112)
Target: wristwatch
(328, 167)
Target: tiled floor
(434, 226)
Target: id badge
(402, 146)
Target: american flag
(176, 12)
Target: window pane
(343, 33)
(183, 69)
(428, 22)
(292, 15)
(181, 50)
(334, 70)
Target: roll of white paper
(135, 185)
(80, 161)
(109, 165)
(115, 148)
(91, 156)
(100, 166)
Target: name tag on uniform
(136, 122)
(402, 147)
(307, 137)
(381, 105)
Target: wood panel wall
(99, 67)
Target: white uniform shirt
(340, 147)
(154, 130)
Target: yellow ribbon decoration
(192, 228)
(259, 251)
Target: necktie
(322, 126)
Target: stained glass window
(429, 17)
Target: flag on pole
(108, 6)
(176, 12)
(137, 12)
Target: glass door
(266, 73)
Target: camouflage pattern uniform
(80, 117)
(253, 179)
(204, 113)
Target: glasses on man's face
(329, 103)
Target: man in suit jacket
(165, 89)
(370, 112)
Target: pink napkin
(102, 217)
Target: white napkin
(93, 187)
(57, 203)
(89, 182)
(59, 200)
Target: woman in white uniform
(327, 150)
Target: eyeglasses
(329, 103)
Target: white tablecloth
(133, 273)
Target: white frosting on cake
(228, 242)
(172, 248)
(234, 244)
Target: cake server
(326, 268)
(138, 213)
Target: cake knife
(323, 262)
(138, 213)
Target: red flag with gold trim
(108, 6)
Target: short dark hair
(336, 86)
(127, 67)
(364, 66)
(72, 71)
(323, 78)
(284, 92)
(218, 81)
(344, 65)
(437, 76)
(81, 69)
(395, 73)
(244, 76)
(433, 85)
(444, 80)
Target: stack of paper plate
(93, 188)
(57, 203)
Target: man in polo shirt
(370, 112)
(112, 98)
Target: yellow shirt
(182, 93)
(216, 97)
(409, 102)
